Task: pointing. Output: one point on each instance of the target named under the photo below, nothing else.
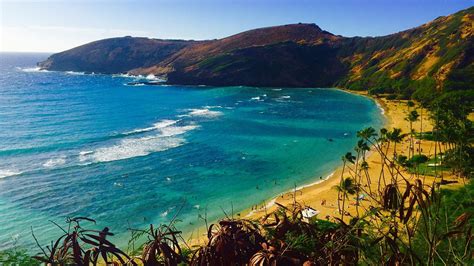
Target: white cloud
(55, 38)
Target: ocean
(75, 144)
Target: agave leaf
(462, 219)
(88, 241)
(451, 234)
(101, 239)
(97, 231)
(410, 210)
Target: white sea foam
(276, 89)
(283, 98)
(173, 131)
(203, 112)
(164, 123)
(32, 69)
(165, 138)
(266, 206)
(155, 78)
(8, 172)
(258, 98)
(165, 213)
(151, 77)
(158, 125)
(382, 110)
(75, 73)
(135, 147)
(53, 162)
(126, 75)
(315, 182)
(84, 155)
(270, 203)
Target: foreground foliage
(408, 221)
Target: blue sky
(52, 26)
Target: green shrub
(418, 159)
(402, 159)
(15, 257)
(391, 97)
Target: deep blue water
(88, 145)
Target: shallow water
(88, 145)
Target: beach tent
(309, 212)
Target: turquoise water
(89, 145)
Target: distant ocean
(73, 144)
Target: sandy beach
(321, 195)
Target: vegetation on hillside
(422, 62)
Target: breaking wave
(32, 69)
(164, 139)
(75, 73)
(161, 124)
(136, 147)
(283, 98)
(125, 76)
(203, 112)
(54, 162)
(8, 172)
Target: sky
(53, 26)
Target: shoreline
(315, 186)
(271, 203)
(320, 194)
(322, 197)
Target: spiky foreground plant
(69, 249)
(230, 242)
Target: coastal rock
(115, 55)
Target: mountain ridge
(437, 54)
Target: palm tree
(365, 167)
(384, 138)
(346, 158)
(421, 131)
(367, 133)
(346, 187)
(361, 149)
(395, 136)
(412, 117)
(383, 135)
